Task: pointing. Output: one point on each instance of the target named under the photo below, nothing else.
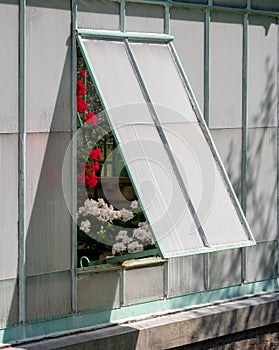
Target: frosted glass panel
(205, 184)
(119, 85)
(163, 82)
(158, 189)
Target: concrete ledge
(173, 330)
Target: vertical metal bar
(22, 164)
(123, 16)
(74, 160)
(207, 18)
(244, 134)
(206, 270)
(167, 19)
(278, 138)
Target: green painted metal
(244, 133)
(206, 102)
(167, 20)
(120, 35)
(278, 139)
(22, 164)
(211, 6)
(123, 16)
(74, 161)
(89, 321)
(120, 258)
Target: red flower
(81, 88)
(82, 73)
(96, 154)
(91, 180)
(91, 119)
(82, 106)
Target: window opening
(111, 224)
(186, 197)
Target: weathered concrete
(174, 330)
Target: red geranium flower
(82, 73)
(91, 180)
(96, 154)
(91, 119)
(81, 88)
(82, 106)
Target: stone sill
(176, 329)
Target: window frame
(167, 39)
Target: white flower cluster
(130, 240)
(141, 236)
(103, 212)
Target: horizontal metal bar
(182, 3)
(121, 35)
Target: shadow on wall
(49, 236)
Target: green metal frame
(106, 34)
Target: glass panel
(205, 184)
(115, 75)
(163, 82)
(158, 190)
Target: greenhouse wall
(229, 50)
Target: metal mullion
(123, 16)
(207, 18)
(167, 19)
(166, 145)
(244, 133)
(74, 163)
(278, 140)
(22, 165)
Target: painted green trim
(122, 23)
(203, 6)
(206, 88)
(22, 164)
(104, 34)
(75, 323)
(74, 163)
(167, 20)
(244, 133)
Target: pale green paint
(74, 323)
(104, 34)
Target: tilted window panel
(172, 167)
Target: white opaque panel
(205, 184)
(262, 71)
(163, 82)
(187, 27)
(98, 14)
(48, 66)
(48, 240)
(225, 70)
(9, 15)
(115, 75)
(9, 206)
(158, 189)
(147, 18)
